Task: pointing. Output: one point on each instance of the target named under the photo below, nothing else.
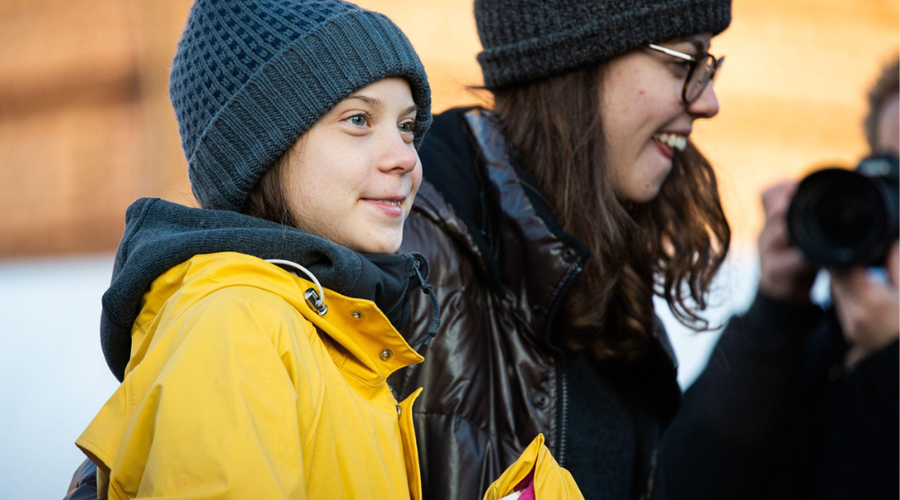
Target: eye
(682, 67)
(406, 127)
(359, 120)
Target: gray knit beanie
(526, 40)
(251, 76)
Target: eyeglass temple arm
(673, 53)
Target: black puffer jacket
(501, 266)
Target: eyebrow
(694, 40)
(698, 44)
(366, 99)
(377, 103)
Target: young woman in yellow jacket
(253, 336)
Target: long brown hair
(672, 246)
(267, 199)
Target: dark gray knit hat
(526, 40)
(251, 76)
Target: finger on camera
(777, 198)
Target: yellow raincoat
(238, 389)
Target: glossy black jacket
(501, 267)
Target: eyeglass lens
(699, 78)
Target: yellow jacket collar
(366, 344)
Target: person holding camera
(800, 401)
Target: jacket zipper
(561, 362)
(651, 474)
(564, 407)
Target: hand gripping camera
(841, 218)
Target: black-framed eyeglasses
(702, 71)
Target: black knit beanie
(251, 76)
(526, 40)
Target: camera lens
(840, 218)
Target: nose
(707, 105)
(397, 155)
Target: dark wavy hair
(671, 246)
(885, 87)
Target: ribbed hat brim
(589, 41)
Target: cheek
(315, 183)
(416, 178)
(643, 101)
(624, 112)
(889, 128)
(334, 174)
(623, 88)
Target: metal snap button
(386, 355)
(399, 410)
(356, 314)
(541, 400)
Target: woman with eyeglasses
(551, 220)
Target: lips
(388, 202)
(392, 207)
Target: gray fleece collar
(160, 235)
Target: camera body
(841, 218)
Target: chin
(385, 249)
(646, 195)
(378, 245)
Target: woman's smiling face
(353, 176)
(644, 118)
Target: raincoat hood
(160, 235)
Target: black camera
(841, 218)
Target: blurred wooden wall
(86, 126)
